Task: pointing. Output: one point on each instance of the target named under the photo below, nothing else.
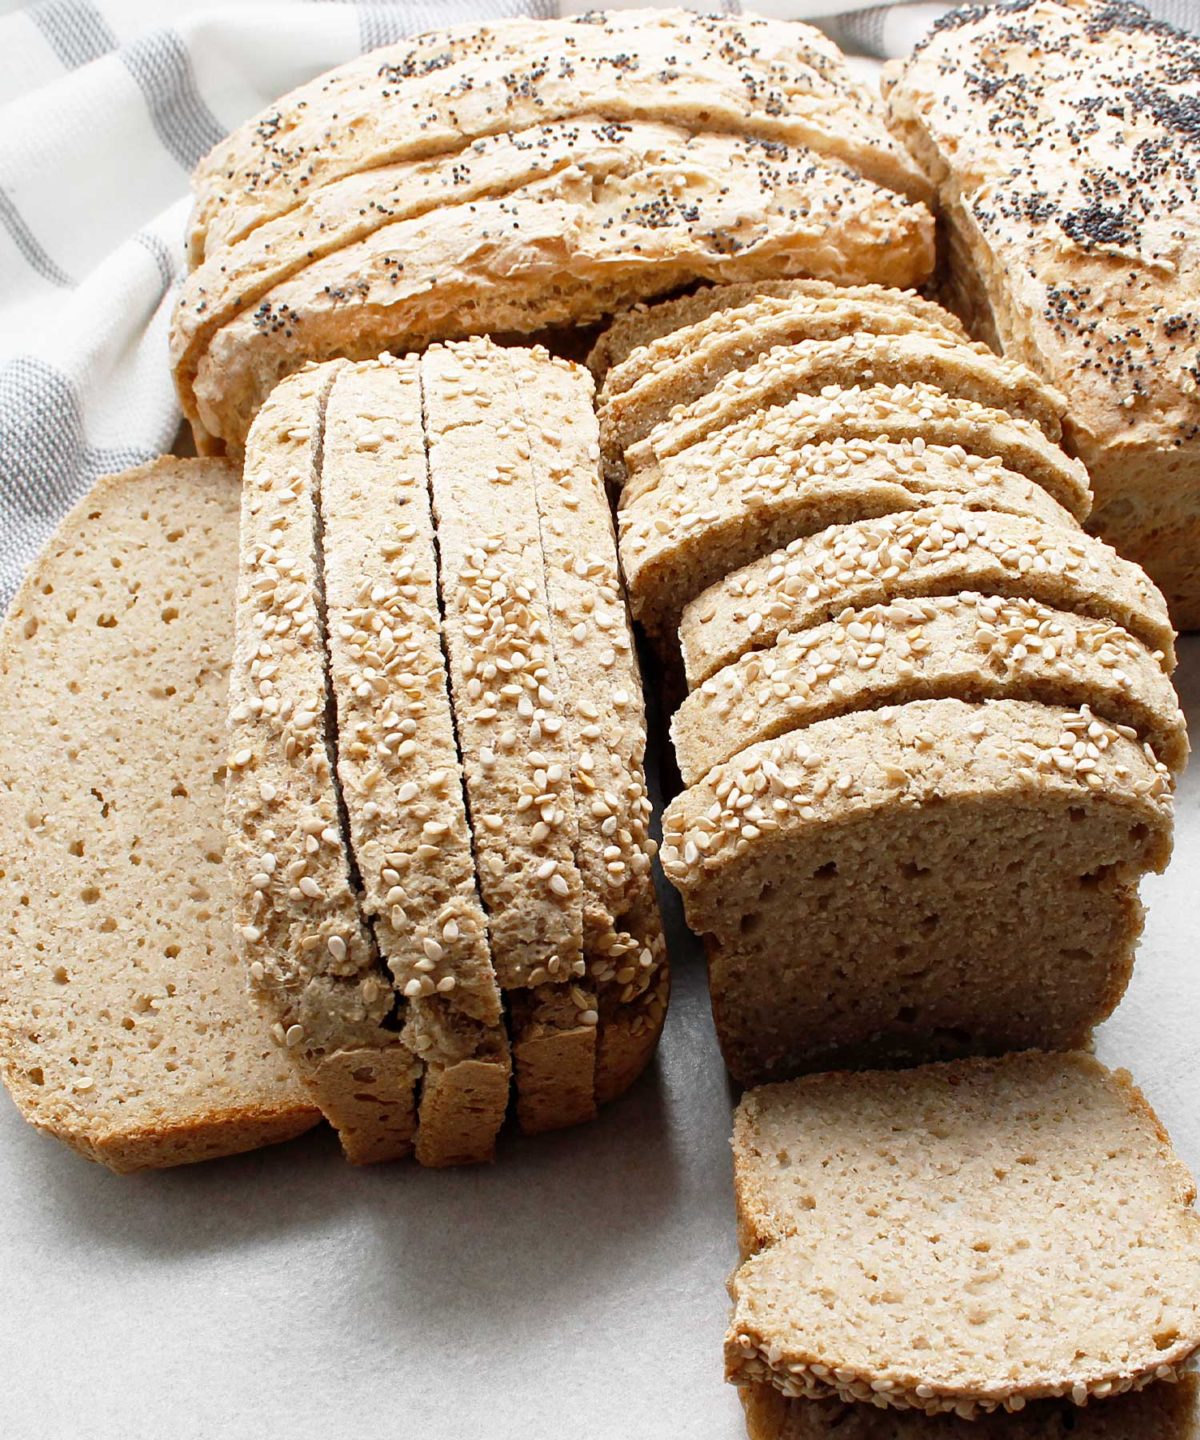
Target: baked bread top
(1062, 135)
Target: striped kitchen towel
(105, 106)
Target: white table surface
(574, 1291)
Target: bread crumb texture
(964, 1237)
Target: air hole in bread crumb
(60, 976)
(1164, 1339)
(1076, 813)
(169, 613)
(1095, 878)
(75, 847)
(828, 871)
(171, 952)
(910, 869)
(37, 1075)
(30, 628)
(1139, 833)
(107, 620)
(89, 894)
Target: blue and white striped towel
(105, 107)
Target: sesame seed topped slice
(936, 551)
(397, 758)
(969, 646)
(312, 959)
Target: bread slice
(967, 646)
(602, 687)
(935, 551)
(1081, 254)
(657, 210)
(680, 367)
(125, 1028)
(962, 1237)
(676, 543)
(507, 692)
(850, 836)
(1166, 1412)
(397, 759)
(970, 372)
(439, 92)
(311, 956)
(874, 412)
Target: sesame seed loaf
(677, 542)
(312, 958)
(680, 367)
(850, 835)
(962, 1237)
(507, 692)
(969, 647)
(652, 209)
(129, 1036)
(397, 758)
(1056, 133)
(936, 551)
(602, 687)
(969, 371)
(438, 92)
(1164, 1412)
(874, 412)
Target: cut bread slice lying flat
(679, 367)
(565, 249)
(965, 646)
(967, 1236)
(125, 1027)
(397, 757)
(1159, 1412)
(915, 412)
(849, 838)
(936, 551)
(312, 957)
(675, 544)
(439, 92)
(971, 372)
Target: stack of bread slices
(930, 732)
(534, 173)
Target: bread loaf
(1060, 139)
(125, 1029)
(848, 838)
(966, 1237)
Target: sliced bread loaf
(311, 955)
(652, 209)
(962, 1237)
(966, 646)
(1164, 1412)
(849, 837)
(676, 543)
(970, 372)
(936, 551)
(917, 412)
(439, 92)
(397, 758)
(125, 1027)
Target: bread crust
(158, 1089)
(937, 551)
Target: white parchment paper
(573, 1291)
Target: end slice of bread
(125, 1028)
(962, 1237)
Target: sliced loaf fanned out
(1164, 1412)
(949, 877)
(125, 1028)
(397, 758)
(915, 412)
(682, 365)
(437, 93)
(936, 551)
(312, 957)
(966, 646)
(966, 1237)
(676, 543)
(639, 211)
(703, 404)
(605, 720)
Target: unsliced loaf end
(131, 1037)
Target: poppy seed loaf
(131, 1036)
(962, 1237)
